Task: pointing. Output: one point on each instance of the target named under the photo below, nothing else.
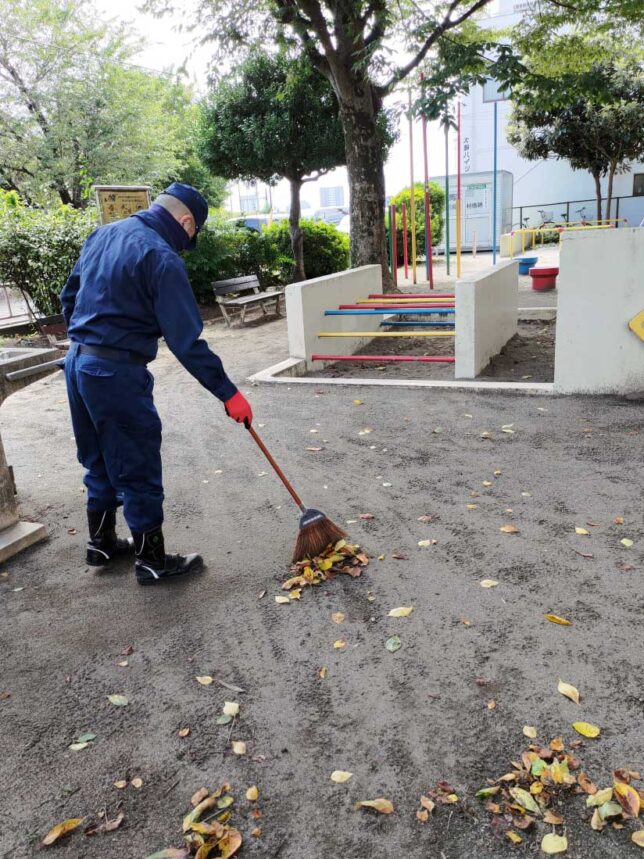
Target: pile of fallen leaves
(342, 557)
(539, 784)
(206, 829)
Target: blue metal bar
(447, 311)
(433, 324)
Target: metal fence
(625, 211)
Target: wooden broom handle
(276, 468)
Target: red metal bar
(391, 297)
(389, 305)
(433, 359)
(404, 239)
(394, 252)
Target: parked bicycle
(582, 217)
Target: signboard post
(116, 202)
(491, 92)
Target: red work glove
(238, 408)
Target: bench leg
(277, 306)
(224, 313)
(243, 314)
(262, 304)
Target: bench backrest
(248, 283)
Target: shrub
(326, 249)
(38, 249)
(437, 198)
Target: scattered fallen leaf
(171, 853)
(487, 483)
(123, 663)
(78, 747)
(383, 806)
(486, 434)
(224, 719)
(357, 402)
(586, 729)
(403, 611)
(337, 617)
(399, 556)
(491, 705)
(554, 618)
(61, 829)
(466, 621)
(427, 803)
(425, 519)
(626, 542)
(489, 583)
(314, 449)
(423, 543)
(618, 520)
(553, 843)
(120, 784)
(525, 799)
(582, 531)
(628, 798)
(323, 672)
(486, 792)
(393, 644)
(137, 783)
(586, 784)
(509, 529)
(472, 506)
(340, 644)
(199, 796)
(600, 797)
(282, 600)
(72, 531)
(529, 731)
(256, 832)
(551, 817)
(513, 836)
(252, 794)
(107, 826)
(367, 516)
(118, 700)
(568, 690)
(204, 679)
(238, 747)
(422, 815)
(638, 837)
(184, 732)
(231, 708)
(340, 776)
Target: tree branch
(445, 25)
(314, 178)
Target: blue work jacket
(130, 287)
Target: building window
(332, 196)
(638, 185)
(249, 204)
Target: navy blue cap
(192, 199)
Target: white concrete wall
(511, 243)
(307, 301)
(487, 308)
(601, 287)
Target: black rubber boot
(152, 565)
(103, 544)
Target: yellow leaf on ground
(638, 838)
(230, 843)
(554, 618)
(586, 729)
(529, 731)
(252, 794)
(427, 803)
(323, 672)
(231, 708)
(487, 483)
(599, 797)
(383, 806)
(205, 680)
(628, 798)
(184, 732)
(553, 843)
(340, 644)
(340, 776)
(551, 817)
(337, 617)
(282, 600)
(489, 583)
(509, 529)
(596, 821)
(569, 691)
(626, 542)
(403, 611)
(137, 783)
(472, 506)
(238, 747)
(118, 700)
(424, 543)
(61, 829)
(120, 784)
(422, 815)
(582, 531)
(514, 837)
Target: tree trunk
(366, 181)
(297, 236)
(609, 192)
(598, 194)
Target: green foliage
(38, 249)
(326, 249)
(437, 199)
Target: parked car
(256, 222)
(330, 214)
(344, 226)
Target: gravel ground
(399, 721)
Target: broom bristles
(314, 538)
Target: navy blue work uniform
(128, 288)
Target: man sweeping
(128, 288)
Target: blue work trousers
(118, 437)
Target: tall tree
(73, 111)
(274, 118)
(593, 119)
(353, 43)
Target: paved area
(548, 256)
(399, 721)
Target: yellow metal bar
(386, 334)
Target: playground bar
(392, 261)
(443, 359)
(494, 182)
(428, 210)
(404, 239)
(392, 311)
(447, 254)
(412, 212)
(394, 243)
(421, 295)
(390, 308)
(458, 191)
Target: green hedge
(38, 250)
(437, 199)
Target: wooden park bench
(246, 294)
